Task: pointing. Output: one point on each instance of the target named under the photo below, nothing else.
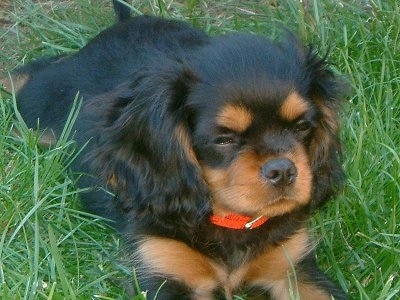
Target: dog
(208, 154)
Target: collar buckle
(249, 225)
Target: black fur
(122, 11)
(151, 86)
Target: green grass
(51, 250)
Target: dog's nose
(279, 172)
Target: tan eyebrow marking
(293, 107)
(235, 117)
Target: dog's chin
(282, 205)
(277, 201)
(286, 195)
(277, 207)
(269, 207)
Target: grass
(51, 250)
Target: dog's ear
(143, 146)
(327, 91)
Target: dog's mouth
(262, 202)
(281, 195)
(281, 205)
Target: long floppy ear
(327, 91)
(143, 149)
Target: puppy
(209, 154)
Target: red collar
(235, 221)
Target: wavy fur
(180, 126)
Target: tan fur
(323, 141)
(183, 138)
(277, 266)
(277, 262)
(241, 189)
(273, 268)
(310, 291)
(16, 83)
(330, 118)
(180, 262)
(283, 290)
(293, 107)
(47, 138)
(112, 181)
(235, 118)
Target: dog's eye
(223, 140)
(303, 125)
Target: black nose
(279, 172)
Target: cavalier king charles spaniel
(209, 154)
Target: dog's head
(247, 127)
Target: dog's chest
(204, 274)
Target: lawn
(51, 250)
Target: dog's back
(112, 57)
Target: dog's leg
(187, 273)
(23, 74)
(290, 270)
(312, 282)
(15, 83)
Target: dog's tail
(122, 10)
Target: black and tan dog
(213, 151)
